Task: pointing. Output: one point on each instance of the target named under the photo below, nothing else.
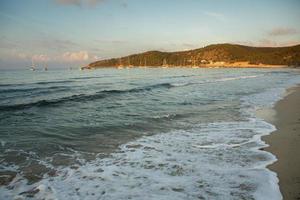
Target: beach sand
(285, 143)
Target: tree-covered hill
(212, 54)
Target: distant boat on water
(32, 67)
(45, 67)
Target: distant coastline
(212, 56)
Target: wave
(218, 80)
(9, 85)
(83, 97)
(213, 81)
(40, 103)
(138, 89)
(36, 83)
(107, 93)
(89, 77)
(183, 76)
(15, 90)
(233, 78)
(180, 84)
(50, 82)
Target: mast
(32, 68)
(45, 67)
(194, 62)
(128, 61)
(165, 62)
(120, 61)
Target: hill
(222, 55)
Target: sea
(142, 133)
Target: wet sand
(285, 143)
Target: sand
(245, 64)
(285, 143)
(242, 64)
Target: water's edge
(271, 115)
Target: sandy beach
(244, 64)
(285, 143)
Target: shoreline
(198, 67)
(284, 142)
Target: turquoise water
(138, 133)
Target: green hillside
(227, 53)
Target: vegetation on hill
(219, 53)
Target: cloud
(89, 3)
(268, 43)
(68, 2)
(39, 58)
(189, 45)
(272, 43)
(75, 56)
(23, 56)
(114, 41)
(124, 4)
(86, 3)
(97, 57)
(58, 44)
(5, 43)
(282, 31)
(217, 16)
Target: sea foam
(171, 165)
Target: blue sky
(69, 32)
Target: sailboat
(129, 64)
(32, 67)
(45, 67)
(165, 63)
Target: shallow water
(138, 133)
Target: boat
(32, 67)
(45, 67)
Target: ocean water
(138, 133)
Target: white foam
(171, 166)
(2, 143)
(179, 84)
(236, 78)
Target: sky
(64, 33)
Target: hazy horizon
(75, 32)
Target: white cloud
(215, 15)
(112, 41)
(68, 2)
(22, 56)
(281, 31)
(40, 58)
(78, 2)
(75, 56)
(97, 57)
(87, 3)
(268, 43)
